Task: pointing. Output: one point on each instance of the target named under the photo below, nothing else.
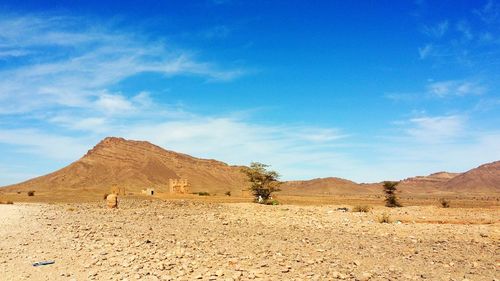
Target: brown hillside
(136, 165)
(427, 184)
(326, 186)
(484, 179)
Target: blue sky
(368, 90)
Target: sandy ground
(187, 240)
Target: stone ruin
(118, 190)
(148, 191)
(179, 186)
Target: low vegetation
(272, 202)
(202, 193)
(361, 209)
(105, 196)
(384, 218)
(7, 202)
(391, 199)
(444, 203)
(263, 182)
(31, 193)
(228, 193)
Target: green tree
(391, 200)
(264, 182)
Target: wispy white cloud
(425, 51)
(52, 146)
(442, 89)
(437, 128)
(469, 39)
(5, 54)
(89, 60)
(464, 28)
(490, 12)
(438, 30)
(455, 88)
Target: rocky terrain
(187, 240)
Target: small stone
(365, 276)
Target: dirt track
(184, 240)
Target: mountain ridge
(137, 165)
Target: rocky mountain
(484, 179)
(137, 165)
(427, 184)
(326, 186)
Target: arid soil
(188, 240)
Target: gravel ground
(187, 240)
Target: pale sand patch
(12, 216)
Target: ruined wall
(179, 186)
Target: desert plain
(212, 239)
(314, 233)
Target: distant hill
(136, 165)
(327, 186)
(484, 179)
(427, 184)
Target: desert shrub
(263, 182)
(105, 196)
(203, 193)
(31, 193)
(272, 202)
(391, 200)
(7, 202)
(384, 218)
(71, 209)
(228, 193)
(444, 203)
(361, 209)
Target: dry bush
(361, 209)
(105, 196)
(31, 193)
(7, 202)
(273, 202)
(444, 203)
(203, 193)
(228, 193)
(384, 218)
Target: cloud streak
(448, 88)
(87, 63)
